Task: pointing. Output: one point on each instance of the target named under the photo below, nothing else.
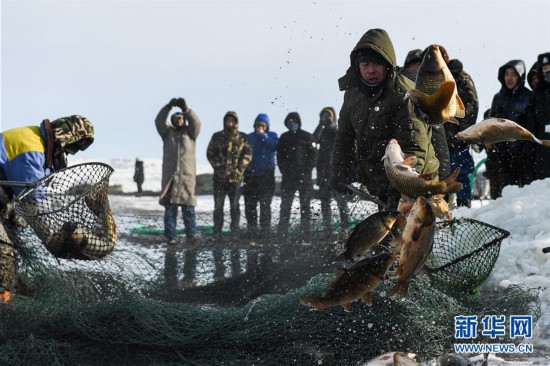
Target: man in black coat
(325, 135)
(505, 159)
(538, 117)
(296, 157)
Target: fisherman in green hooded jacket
(375, 111)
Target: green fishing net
(233, 301)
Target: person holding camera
(179, 167)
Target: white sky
(119, 62)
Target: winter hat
(262, 117)
(413, 57)
(544, 61)
(293, 116)
(68, 130)
(368, 54)
(231, 113)
(533, 73)
(330, 111)
(174, 118)
(455, 66)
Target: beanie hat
(413, 57)
(174, 118)
(262, 117)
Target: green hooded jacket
(367, 123)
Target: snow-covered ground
(522, 211)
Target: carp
(399, 169)
(494, 130)
(452, 359)
(356, 282)
(367, 234)
(393, 359)
(416, 244)
(435, 90)
(74, 241)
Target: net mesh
(69, 211)
(231, 301)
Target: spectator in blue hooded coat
(259, 177)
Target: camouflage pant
(7, 260)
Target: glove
(182, 104)
(451, 201)
(11, 218)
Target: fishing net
(233, 301)
(464, 254)
(69, 211)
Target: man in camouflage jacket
(374, 112)
(229, 153)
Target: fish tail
(313, 301)
(451, 185)
(402, 287)
(545, 142)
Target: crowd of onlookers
(349, 147)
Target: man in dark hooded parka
(505, 159)
(538, 117)
(374, 112)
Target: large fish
(416, 244)
(437, 202)
(494, 130)
(435, 90)
(392, 359)
(74, 241)
(367, 234)
(408, 182)
(354, 283)
(453, 359)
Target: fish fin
(314, 302)
(441, 98)
(410, 160)
(460, 109)
(417, 232)
(453, 121)
(367, 298)
(347, 306)
(451, 185)
(428, 176)
(342, 258)
(402, 167)
(417, 96)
